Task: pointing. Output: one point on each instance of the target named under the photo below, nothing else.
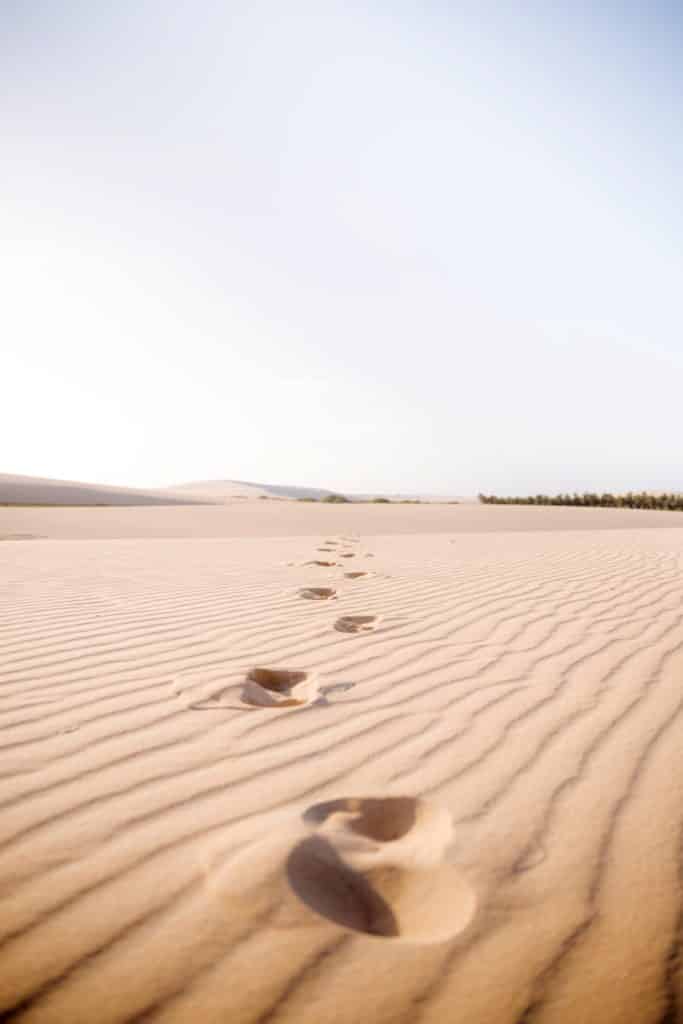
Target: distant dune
(435, 499)
(33, 490)
(221, 490)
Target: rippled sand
(438, 782)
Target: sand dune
(33, 490)
(226, 489)
(217, 805)
(221, 490)
(29, 490)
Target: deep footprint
(355, 575)
(318, 593)
(279, 688)
(316, 561)
(356, 623)
(376, 865)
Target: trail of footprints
(374, 865)
(371, 865)
(280, 688)
(353, 624)
(379, 866)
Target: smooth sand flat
(276, 517)
(218, 807)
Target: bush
(380, 501)
(335, 499)
(643, 499)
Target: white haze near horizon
(414, 248)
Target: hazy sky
(401, 246)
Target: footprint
(318, 562)
(377, 865)
(261, 688)
(324, 549)
(279, 687)
(349, 554)
(318, 593)
(355, 575)
(356, 623)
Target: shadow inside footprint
(322, 881)
(356, 623)
(349, 554)
(318, 593)
(279, 687)
(317, 561)
(377, 865)
(354, 575)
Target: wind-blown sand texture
(218, 807)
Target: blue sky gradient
(433, 248)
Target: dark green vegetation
(335, 499)
(632, 499)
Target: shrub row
(632, 499)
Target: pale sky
(407, 247)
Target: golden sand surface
(438, 781)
